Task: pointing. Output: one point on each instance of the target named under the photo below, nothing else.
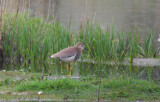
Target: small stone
(4, 70)
(40, 92)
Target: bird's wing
(67, 52)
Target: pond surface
(124, 14)
(52, 70)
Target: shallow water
(52, 70)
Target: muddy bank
(146, 62)
(136, 62)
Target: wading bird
(69, 54)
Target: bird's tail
(53, 56)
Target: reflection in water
(54, 70)
(1, 63)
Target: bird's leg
(69, 66)
(61, 64)
(66, 66)
(67, 70)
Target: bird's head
(80, 45)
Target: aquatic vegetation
(35, 39)
(32, 38)
(148, 49)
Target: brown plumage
(70, 54)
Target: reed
(35, 39)
(148, 48)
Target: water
(85, 69)
(124, 14)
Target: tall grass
(35, 39)
(148, 48)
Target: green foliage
(112, 88)
(35, 39)
(7, 81)
(129, 84)
(148, 49)
(47, 85)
